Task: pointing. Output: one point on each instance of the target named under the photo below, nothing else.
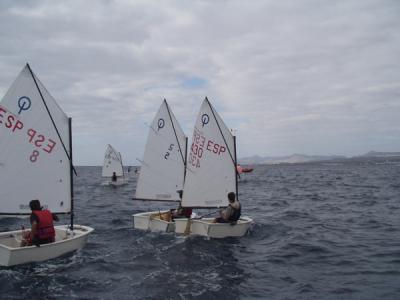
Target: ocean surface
(321, 231)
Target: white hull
(66, 241)
(205, 227)
(151, 221)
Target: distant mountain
(292, 159)
(302, 158)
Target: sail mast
(236, 172)
(179, 145)
(70, 172)
(122, 166)
(185, 162)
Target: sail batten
(163, 163)
(211, 162)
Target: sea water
(321, 231)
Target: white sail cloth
(112, 163)
(163, 165)
(211, 171)
(33, 159)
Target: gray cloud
(291, 76)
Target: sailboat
(36, 163)
(211, 175)
(113, 164)
(241, 169)
(162, 172)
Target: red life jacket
(45, 227)
(187, 212)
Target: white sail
(163, 165)
(112, 163)
(33, 159)
(211, 167)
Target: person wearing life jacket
(180, 212)
(231, 214)
(42, 228)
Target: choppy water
(322, 231)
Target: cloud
(290, 76)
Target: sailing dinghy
(113, 164)
(211, 175)
(162, 172)
(35, 163)
(241, 169)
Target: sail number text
(199, 144)
(10, 121)
(170, 148)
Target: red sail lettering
(10, 120)
(50, 146)
(221, 150)
(31, 133)
(39, 141)
(209, 145)
(18, 125)
(216, 146)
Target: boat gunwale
(244, 220)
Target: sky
(306, 76)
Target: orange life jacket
(45, 227)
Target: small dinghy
(113, 170)
(35, 163)
(66, 241)
(212, 174)
(241, 169)
(162, 173)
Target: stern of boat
(206, 227)
(66, 241)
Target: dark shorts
(42, 242)
(220, 220)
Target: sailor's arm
(34, 229)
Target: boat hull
(66, 241)
(151, 221)
(206, 227)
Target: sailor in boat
(114, 177)
(181, 212)
(42, 228)
(231, 214)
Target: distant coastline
(303, 158)
(372, 156)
